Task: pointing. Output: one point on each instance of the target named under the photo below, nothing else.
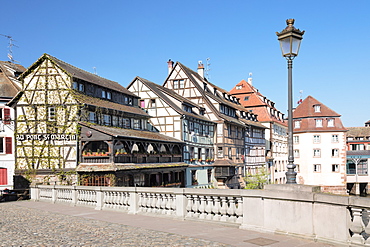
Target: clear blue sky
(124, 39)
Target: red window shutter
(3, 176)
(8, 145)
(6, 116)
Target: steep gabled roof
(78, 73)
(256, 102)
(305, 112)
(163, 93)
(8, 78)
(306, 109)
(196, 78)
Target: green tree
(258, 180)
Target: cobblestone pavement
(21, 226)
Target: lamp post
(290, 41)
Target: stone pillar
(134, 202)
(181, 203)
(35, 193)
(99, 199)
(74, 196)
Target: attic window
(317, 108)
(238, 87)
(246, 98)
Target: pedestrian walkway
(29, 223)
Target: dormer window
(246, 98)
(331, 122)
(317, 108)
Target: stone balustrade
(287, 209)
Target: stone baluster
(126, 201)
(144, 201)
(356, 226)
(106, 199)
(239, 210)
(216, 208)
(153, 197)
(163, 203)
(189, 206)
(202, 207)
(223, 209)
(158, 203)
(195, 207)
(231, 210)
(208, 208)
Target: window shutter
(6, 116)
(3, 176)
(8, 145)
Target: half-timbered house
(230, 117)
(178, 117)
(70, 120)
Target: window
(238, 87)
(296, 153)
(220, 152)
(229, 154)
(317, 168)
(331, 122)
(81, 87)
(109, 95)
(115, 121)
(316, 139)
(51, 113)
(103, 94)
(106, 119)
(297, 168)
(334, 138)
(6, 145)
(7, 117)
(126, 123)
(316, 153)
(246, 98)
(296, 139)
(137, 124)
(297, 124)
(178, 84)
(152, 103)
(335, 168)
(335, 152)
(142, 103)
(317, 108)
(92, 117)
(318, 122)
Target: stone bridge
(289, 209)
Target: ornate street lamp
(290, 41)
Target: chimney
(201, 69)
(170, 66)
(250, 78)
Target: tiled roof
(89, 167)
(81, 74)
(305, 112)
(8, 86)
(255, 102)
(131, 133)
(163, 93)
(358, 131)
(306, 109)
(88, 100)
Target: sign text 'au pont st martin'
(46, 137)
